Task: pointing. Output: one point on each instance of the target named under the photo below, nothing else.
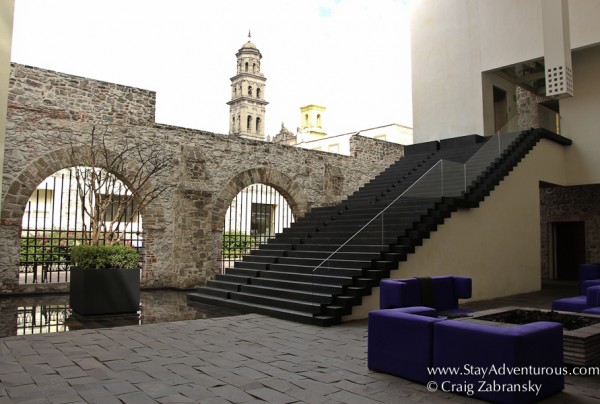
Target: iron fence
(255, 215)
(42, 319)
(54, 220)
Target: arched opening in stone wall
(58, 215)
(255, 215)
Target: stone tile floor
(234, 359)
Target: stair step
(278, 302)
(297, 285)
(323, 298)
(230, 286)
(247, 307)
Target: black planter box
(104, 291)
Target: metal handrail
(376, 216)
(418, 181)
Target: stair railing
(444, 179)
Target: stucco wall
(446, 79)
(183, 227)
(497, 244)
(580, 119)
(454, 42)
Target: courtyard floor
(231, 359)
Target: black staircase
(318, 269)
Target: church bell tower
(247, 105)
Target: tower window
(249, 123)
(258, 93)
(250, 91)
(246, 66)
(253, 67)
(318, 120)
(257, 125)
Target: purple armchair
(438, 292)
(400, 342)
(589, 302)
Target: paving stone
(137, 397)
(99, 396)
(271, 396)
(120, 387)
(231, 393)
(16, 379)
(317, 387)
(176, 398)
(71, 372)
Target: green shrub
(103, 257)
(236, 244)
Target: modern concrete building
(488, 67)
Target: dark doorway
(570, 249)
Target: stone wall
(570, 204)
(79, 98)
(183, 228)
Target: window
(249, 123)
(40, 202)
(257, 125)
(112, 212)
(333, 148)
(250, 91)
(253, 67)
(318, 120)
(246, 67)
(258, 93)
(261, 219)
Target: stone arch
(15, 200)
(285, 185)
(38, 170)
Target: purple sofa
(589, 302)
(409, 342)
(438, 292)
(587, 272)
(528, 348)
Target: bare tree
(114, 183)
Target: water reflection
(36, 314)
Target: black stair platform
(318, 269)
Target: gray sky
(351, 56)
